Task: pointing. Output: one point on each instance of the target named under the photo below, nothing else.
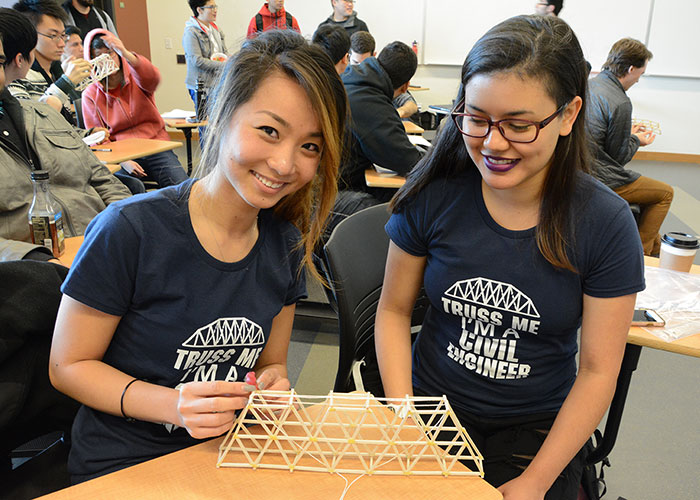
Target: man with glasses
(345, 16)
(87, 17)
(46, 80)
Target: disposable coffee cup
(678, 251)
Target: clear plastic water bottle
(45, 221)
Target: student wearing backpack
(272, 16)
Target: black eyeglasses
(55, 36)
(512, 129)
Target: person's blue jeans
(133, 183)
(164, 168)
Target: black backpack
(259, 22)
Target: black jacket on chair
(29, 406)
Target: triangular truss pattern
(352, 433)
(101, 66)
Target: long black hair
(540, 47)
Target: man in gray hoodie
(344, 16)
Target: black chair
(35, 419)
(355, 256)
(78, 103)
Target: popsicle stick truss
(655, 127)
(101, 66)
(350, 433)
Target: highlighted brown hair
(286, 52)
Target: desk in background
(636, 339)
(72, 247)
(375, 179)
(130, 149)
(412, 128)
(186, 128)
(192, 473)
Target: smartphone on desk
(647, 317)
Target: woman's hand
(95, 130)
(208, 409)
(271, 380)
(520, 488)
(133, 168)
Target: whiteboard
(674, 39)
(453, 26)
(598, 24)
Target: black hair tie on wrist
(121, 402)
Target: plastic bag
(676, 297)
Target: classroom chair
(78, 104)
(35, 419)
(355, 255)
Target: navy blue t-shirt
(186, 316)
(499, 337)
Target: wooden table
(636, 339)
(186, 128)
(130, 149)
(72, 245)
(412, 128)
(191, 473)
(375, 179)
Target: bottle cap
(40, 175)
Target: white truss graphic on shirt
(227, 332)
(491, 293)
(101, 66)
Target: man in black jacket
(345, 16)
(615, 140)
(377, 134)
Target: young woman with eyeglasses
(516, 247)
(202, 40)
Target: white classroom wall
(671, 101)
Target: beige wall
(667, 100)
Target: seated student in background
(87, 17)
(201, 40)
(124, 103)
(362, 46)
(517, 247)
(336, 43)
(377, 134)
(406, 105)
(549, 8)
(345, 16)
(239, 238)
(74, 44)
(615, 140)
(272, 16)
(33, 136)
(47, 80)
